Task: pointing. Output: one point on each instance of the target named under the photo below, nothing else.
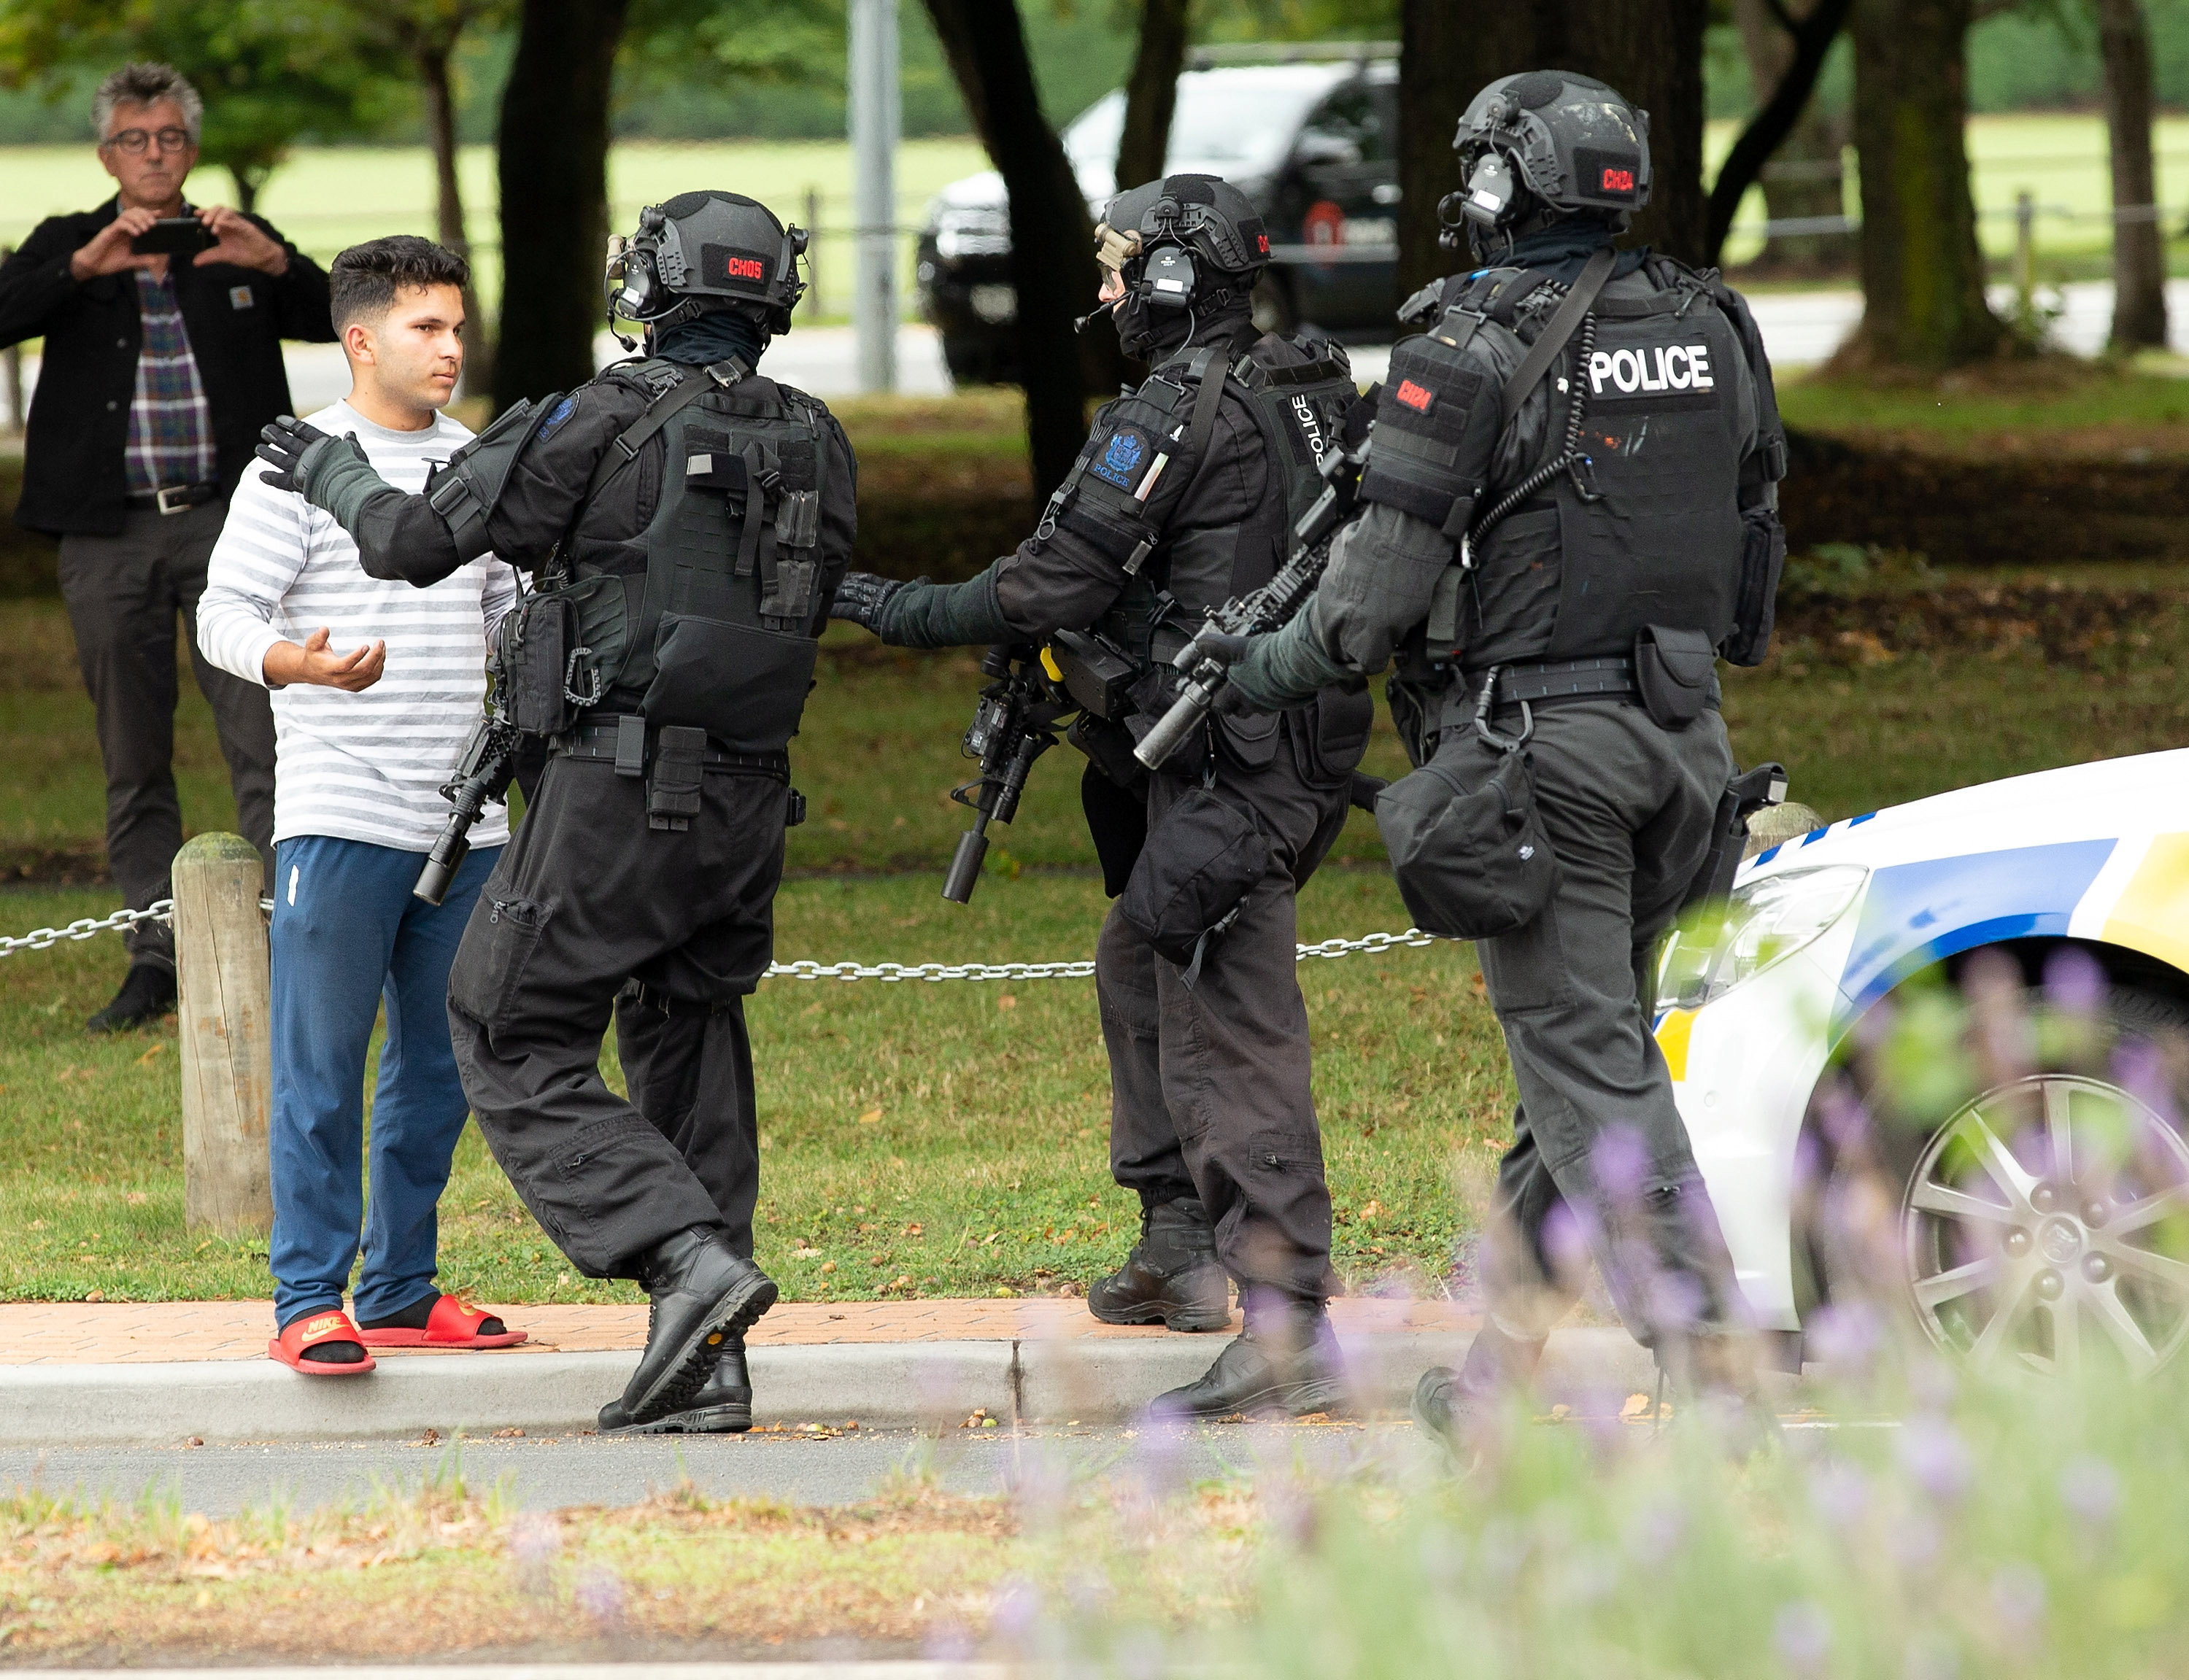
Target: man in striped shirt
(376, 687)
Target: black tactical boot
(1453, 1407)
(1287, 1360)
(704, 1297)
(148, 992)
(1171, 1277)
(722, 1408)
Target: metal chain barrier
(40, 938)
(84, 927)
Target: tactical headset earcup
(1491, 190)
(1168, 277)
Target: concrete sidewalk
(129, 1374)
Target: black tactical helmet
(1185, 242)
(702, 251)
(1543, 145)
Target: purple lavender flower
(1657, 1530)
(600, 1595)
(1935, 1455)
(1619, 1162)
(1846, 1336)
(2090, 1488)
(2074, 981)
(1916, 1540)
(2018, 1593)
(1840, 1492)
(1803, 1636)
(534, 1542)
(1442, 1553)
(1014, 1609)
(949, 1642)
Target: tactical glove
(328, 472)
(861, 598)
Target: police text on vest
(1677, 367)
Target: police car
(2037, 1179)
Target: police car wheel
(2043, 1225)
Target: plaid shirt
(170, 425)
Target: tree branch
(1812, 39)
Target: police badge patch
(1119, 460)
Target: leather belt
(624, 742)
(174, 498)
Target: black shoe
(1286, 1361)
(148, 992)
(1171, 1278)
(704, 1297)
(1454, 1408)
(722, 1408)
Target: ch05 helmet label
(1627, 373)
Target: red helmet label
(1618, 180)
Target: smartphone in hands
(173, 236)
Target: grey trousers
(124, 593)
(1600, 1155)
(1210, 1084)
(587, 898)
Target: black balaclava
(712, 337)
(1558, 246)
(1155, 335)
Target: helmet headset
(1166, 241)
(702, 251)
(1542, 147)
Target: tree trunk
(1447, 54)
(1052, 237)
(1152, 92)
(2139, 255)
(1650, 50)
(1803, 177)
(552, 168)
(1922, 273)
(438, 96)
(246, 177)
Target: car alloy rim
(2028, 1224)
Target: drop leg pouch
(1201, 859)
(1467, 845)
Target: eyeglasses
(134, 140)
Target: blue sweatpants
(346, 935)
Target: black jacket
(73, 477)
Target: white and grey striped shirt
(365, 766)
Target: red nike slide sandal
(451, 1324)
(318, 1329)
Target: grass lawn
(951, 1139)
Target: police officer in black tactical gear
(1571, 508)
(685, 520)
(1182, 498)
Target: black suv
(1311, 143)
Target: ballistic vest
(1647, 530)
(717, 631)
(1176, 574)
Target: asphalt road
(559, 1471)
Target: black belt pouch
(1675, 670)
(1466, 846)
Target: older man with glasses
(162, 322)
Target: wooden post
(225, 1019)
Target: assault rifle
(1010, 730)
(1206, 660)
(483, 773)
